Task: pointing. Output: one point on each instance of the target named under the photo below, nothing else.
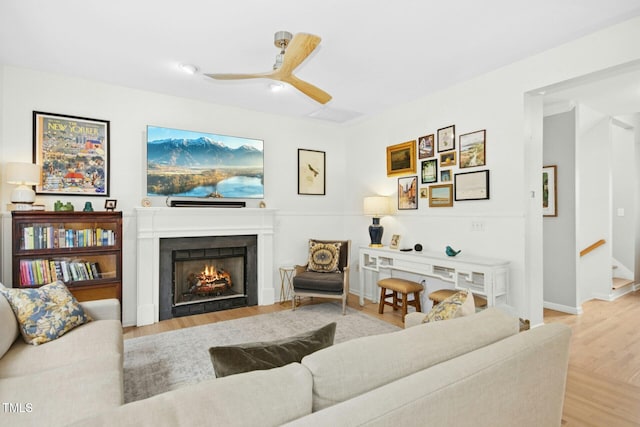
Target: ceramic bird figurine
(451, 252)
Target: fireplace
(205, 274)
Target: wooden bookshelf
(82, 249)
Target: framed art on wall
(447, 138)
(448, 159)
(401, 158)
(472, 185)
(425, 146)
(429, 171)
(311, 172)
(408, 193)
(73, 153)
(441, 196)
(472, 149)
(549, 191)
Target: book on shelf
(36, 272)
(47, 236)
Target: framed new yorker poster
(73, 153)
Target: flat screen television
(183, 163)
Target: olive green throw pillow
(235, 359)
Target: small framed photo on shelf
(408, 193)
(426, 146)
(395, 241)
(472, 185)
(110, 204)
(429, 171)
(311, 172)
(441, 196)
(472, 149)
(401, 158)
(447, 138)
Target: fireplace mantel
(154, 224)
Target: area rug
(157, 363)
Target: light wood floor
(603, 382)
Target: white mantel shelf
(154, 224)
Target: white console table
(488, 277)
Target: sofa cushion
(324, 256)
(518, 381)
(90, 341)
(8, 325)
(258, 398)
(45, 313)
(457, 305)
(65, 394)
(354, 367)
(235, 359)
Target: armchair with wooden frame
(321, 278)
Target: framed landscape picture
(73, 153)
(448, 159)
(408, 193)
(426, 146)
(429, 172)
(549, 191)
(441, 196)
(401, 158)
(447, 138)
(472, 185)
(472, 149)
(311, 172)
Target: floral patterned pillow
(457, 305)
(45, 313)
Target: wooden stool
(402, 286)
(440, 295)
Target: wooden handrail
(592, 247)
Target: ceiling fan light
(276, 86)
(189, 68)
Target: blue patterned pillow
(45, 313)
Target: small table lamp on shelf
(24, 175)
(377, 207)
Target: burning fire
(212, 276)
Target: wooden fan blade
(297, 51)
(240, 76)
(308, 89)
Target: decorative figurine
(57, 206)
(418, 247)
(451, 252)
(87, 207)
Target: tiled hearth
(154, 224)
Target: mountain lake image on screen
(183, 163)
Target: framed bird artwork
(311, 172)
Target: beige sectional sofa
(73, 377)
(471, 371)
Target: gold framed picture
(401, 158)
(441, 196)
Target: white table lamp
(376, 206)
(24, 175)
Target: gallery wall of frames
(438, 169)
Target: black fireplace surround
(208, 248)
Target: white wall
(130, 111)
(593, 184)
(624, 188)
(560, 278)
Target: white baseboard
(562, 308)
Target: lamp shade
(22, 173)
(377, 206)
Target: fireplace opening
(204, 274)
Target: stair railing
(592, 247)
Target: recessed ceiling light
(189, 68)
(276, 87)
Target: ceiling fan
(293, 51)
